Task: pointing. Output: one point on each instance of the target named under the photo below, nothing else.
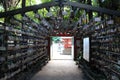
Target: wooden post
(23, 3)
(90, 12)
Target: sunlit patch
(38, 1)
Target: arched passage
(25, 40)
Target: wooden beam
(92, 8)
(50, 4)
(27, 9)
(23, 3)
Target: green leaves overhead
(13, 4)
(9, 4)
(18, 16)
(43, 1)
(6, 5)
(2, 20)
(95, 3)
(32, 16)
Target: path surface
(60, 70)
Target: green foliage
(2, 20)
(43, 12)
(31, 2)
(31, 14)
(95, 14)
(1, 8)
(35, 2)
(9, 4)
(44, 1)
(95, 3)
(54, 10)
(67, 9)
(18, 16)
(19, 4)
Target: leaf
(43, 1)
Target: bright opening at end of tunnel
(62, 48)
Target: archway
(62, 48)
